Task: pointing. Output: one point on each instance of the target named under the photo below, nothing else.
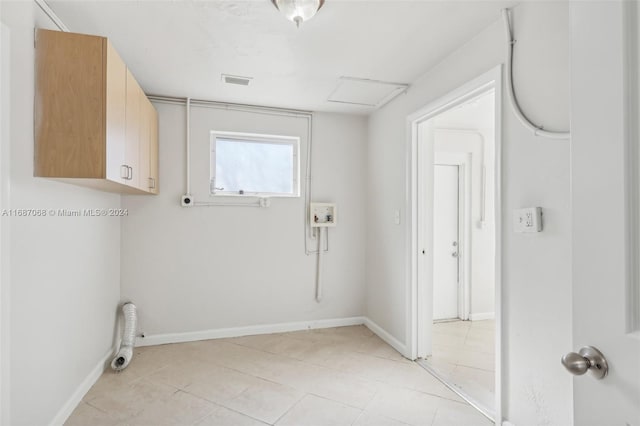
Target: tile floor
(463, 351)
(338, 376)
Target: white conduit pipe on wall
(51, 14)
(319, 267)
(254, 109)
(307, 189)
(228, 204)
(188, 135)
(280, 112)
(536, 130)
(125, 353)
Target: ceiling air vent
(236, 79)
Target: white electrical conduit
(307, 188)
(536, 130)
(228, 204)
(483, 199)
(319, 267)
(52, 15)
(125, 353)
(254, 109)
(188, 146)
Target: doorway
(446, 264)
(452, 188)
(455, 259)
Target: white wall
(64, 277)
(206, 268)
(536, 268)
(4, 163)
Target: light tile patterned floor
(338, 376)
(463, 351)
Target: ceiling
(181, 47)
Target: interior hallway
(337, 376)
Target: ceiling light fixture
(298, 11)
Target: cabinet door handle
(124, 168)
(130, 174)
(152, 183)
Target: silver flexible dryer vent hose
(125, 353)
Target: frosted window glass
(254, 167)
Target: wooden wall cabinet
(94, 126)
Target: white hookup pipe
(188, 146)
(536, 130)
(125, 353)
(256, 110)
(307, 183)
(319, 268)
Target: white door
(445, 241)
(605, 287)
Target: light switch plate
(527, 220)
(396, 217)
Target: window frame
(293, 141)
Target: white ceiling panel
(182, 47)
(366, 93)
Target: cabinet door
(132, 131)
(153, 151)
(69, 105)
(145, 134)
(116, 97)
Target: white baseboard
(81, 391)
(384, 335)
(482, 316)
(160, 339)
(219, 333)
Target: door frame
(463, 161)
(419, 338)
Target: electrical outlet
(527, 220)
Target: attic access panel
(365, 92)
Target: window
(254, 165)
